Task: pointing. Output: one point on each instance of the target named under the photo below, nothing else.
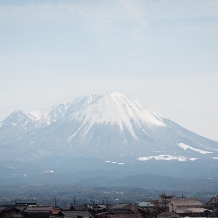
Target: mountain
(110, 129)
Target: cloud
(107, 20)
(171, 9)
(108, 11)
(104, 20)
(67, 12)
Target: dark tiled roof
(39, 209)
(74, 214)
(24, 203)
(56, 211)
(119, 206)
(79, 207)
(164, 214)
(126, 216)
(121, 211)
(2, 208)
(8, 208)
(21, 208)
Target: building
(199, 212)
(121, 211)
(168, 215)
(76, 214)
(181, 205)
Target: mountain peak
(116, 94)
(116, 109)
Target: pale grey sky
(163, 53)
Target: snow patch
(69, 138)
(193, 159)
(185, 147)
(48, 171)
(215, 158)
(114, 162)
(24, 123)
(166, 157)
(38, 114)
(50, 115)
(10, 167)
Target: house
(82, 207)
(199, 212)
(10, 211)
(56, 212)
(39, 211)
(181, 205)
(168, 215)
(213, 205)
(125, 207)
(121, 211)
(146, 209)
(212, 201)
(76, 214)
(16, 210)
(124, 211)
(125, 216)
(25, 204)
(100, 208)
(118, 214)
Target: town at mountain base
(165, 206)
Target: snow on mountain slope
(116, 109)
(15, 125)
(185, 147)
(19, 123)
(48, 116)
(165, 157)
(110, 125)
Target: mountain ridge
(106, 125)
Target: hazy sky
(163, 53)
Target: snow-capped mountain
(110, 126)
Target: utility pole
(92, 201)
(217, 205)
(106, 200)
(74, 200)
(55, 201)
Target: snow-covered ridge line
(185, 147)
(38, 114)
